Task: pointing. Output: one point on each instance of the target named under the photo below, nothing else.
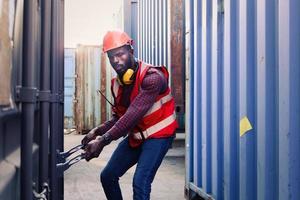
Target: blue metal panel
(295, 100)
(251, 69)
(246, 84)
(217, 96)
(206, 95)
(148, 30)
(159, 38)
(152, 39)
(141, 29)
(69, 87)
(197, 143)
(230, 126)
(134, 26)
(144, 29)
(284, 99)
(154, 36)
(157, 30)
(289, 104)
(190, 142)
(267, 187)
(152, 31)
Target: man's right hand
(90, 136)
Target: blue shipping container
(69, 88)
(243, 122)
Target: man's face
(121, 59)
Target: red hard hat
(115, 39)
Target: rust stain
(85, 109)
(177, 54)
(79, 92)
(103, 87)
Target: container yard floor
(81, 181)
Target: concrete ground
(82, 179)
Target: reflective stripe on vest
(158, 104)
(155, 128)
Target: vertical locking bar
(28, 81)
(45, 86)
(56, 111)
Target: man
(143, 111)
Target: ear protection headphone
(127, 77)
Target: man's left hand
(94, 148)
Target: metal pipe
(54, 106)
(45, 86)
(56, 112)
(27, 107)
(61, 87)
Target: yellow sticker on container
(245, 126)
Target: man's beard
(124, 68)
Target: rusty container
(90, 109)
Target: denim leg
(153, 152)
(122, 159)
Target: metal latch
(26, 94)
(33, 95)
(43, 195)
(64, 164)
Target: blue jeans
(148, 157)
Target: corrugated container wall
(153, 32)
(244, 99)
(157, 27)
(91, 75)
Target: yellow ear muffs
(127, 77)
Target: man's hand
(95, 147)
(90, 136)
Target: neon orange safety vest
(159, 121)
